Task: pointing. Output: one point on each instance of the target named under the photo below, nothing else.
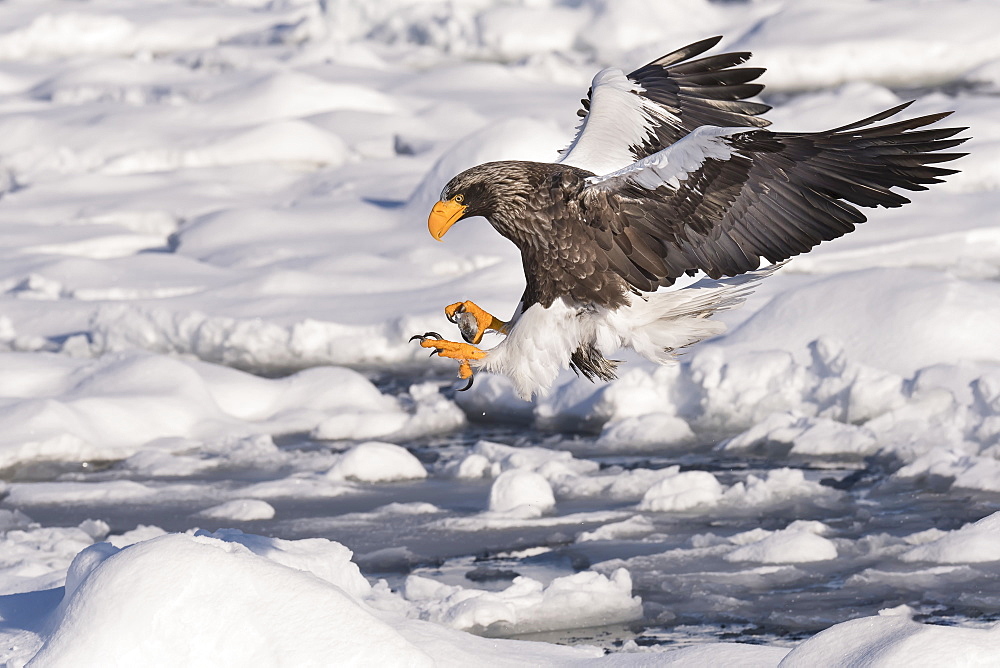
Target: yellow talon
(453, 349)
(458, 313)
(463, 352)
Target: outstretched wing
(723, 198)
(626, 118)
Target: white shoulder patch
(618, 120)
(673, 164)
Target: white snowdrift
(799, 542)
(377, 462)
(54, 407)
(301, 617)
(233, 599)
(526, 606)
(521, 493)
(893, 639)
(230, 599)
(973, 543)
(528, 477)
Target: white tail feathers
(658, 324)
(542, 340)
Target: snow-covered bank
(249, 599)
(61, 408)
(937, 415)
(245, 600)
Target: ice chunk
(578, 600)
(630, 528)
(239, 510)
(797, 543)
(377, 462)
(892, 639)
(973, 543)
(682, 491)
(521, 493)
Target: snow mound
(377, 462)
(241, 342)
(521, 493)
(487, 458)
(294, 142)
(77, 409)
(894, 639)
(900, 320)
(578, 600)
(973, 543)
(237, 599)
(239, 510)
(779, 487)
(36, 557)
(633, 527)
(127, 604)
(682, 491)
(677, 491)
(799, 542)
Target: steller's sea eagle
(670, 174)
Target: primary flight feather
(670, 174)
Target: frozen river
(682, 563)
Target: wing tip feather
(689, 51)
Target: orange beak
(443, 216)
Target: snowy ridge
(318, 601)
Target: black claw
(426, 335)
(454, 316)
(471, 378)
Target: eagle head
(492, 190)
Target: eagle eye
(459, 198)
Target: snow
(975, 542)
(316, 603)
(893, 638)
(214, 254)
(682, 491)
(521, 493)
(633, 526)
(585, 599)
(798, 542)
(377, 462)
(59, 407)
(245, 510)
(305, 616)
(249, 598)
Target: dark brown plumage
(671, 173)
(778, 195)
